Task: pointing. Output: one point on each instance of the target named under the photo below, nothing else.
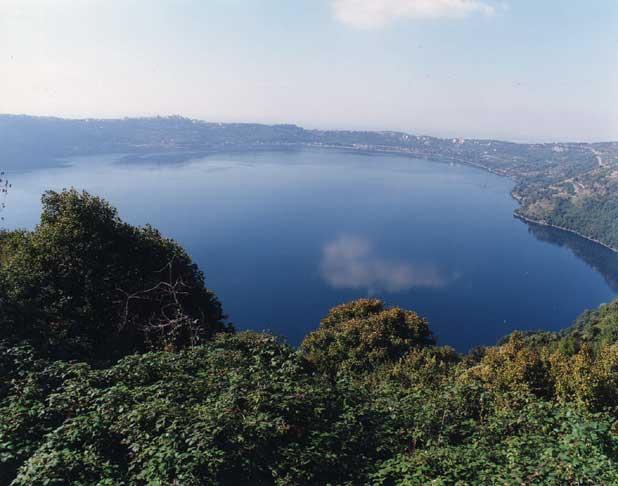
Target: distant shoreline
(407, 152)
(481, 167)
(548, 225)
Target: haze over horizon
(520, 71)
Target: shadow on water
(601, 259)
(182, 157)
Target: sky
(522, 70)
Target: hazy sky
(514, 69)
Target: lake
(282, 236)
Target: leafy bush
(539, 443)
(361, 335)
(246, 409)
(240, 410)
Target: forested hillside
(117, 366)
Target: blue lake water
(282, 236)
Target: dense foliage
(246, 409)
(596, 327)
(87, 285)
(595, 217)
(362, 335)
(367, 398)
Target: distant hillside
(573, 186)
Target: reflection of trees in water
(601, 259)
(181, 157)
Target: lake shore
(481, 167)
(561, 228)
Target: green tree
(85, 284)
(361, 335)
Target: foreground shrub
(246, 409)
(513, 367)
(539, 443)
(241, 410)
(588, 378)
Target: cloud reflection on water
(350, 262)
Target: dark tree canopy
(85, 284)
